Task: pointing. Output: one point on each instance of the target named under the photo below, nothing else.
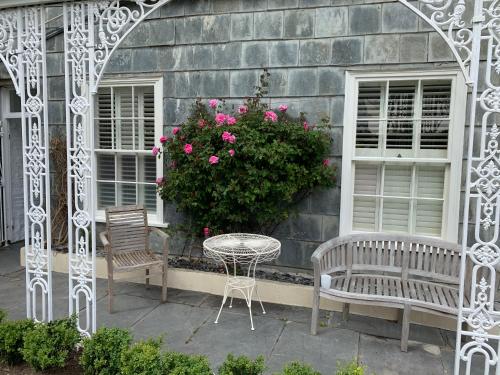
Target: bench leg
(315, 313)
(147, 278)
(345, 312)
(406, 328)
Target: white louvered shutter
(436, 100)
(106, 196)
(365, 201)
(396, 201)
(369, 116)
(104, 121)
(400, 112)
(430, 199)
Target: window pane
(126, 133)
(430, 182)
(105, 195)
(367, 134)
(436, 101)
(395, 215)
(148, 197)
(127, 168)
(147, 169)
(106, 167)
(366, 179)
(369, 115)
(127, 194)
(399, 134)
(364, 214)
(400, 112)
(429, 217)
(434, 135)
(397, 181)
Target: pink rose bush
(229, 170)
(270, 116)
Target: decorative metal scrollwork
(93, 29)
(22, 50)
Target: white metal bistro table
(241, 249)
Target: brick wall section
(217, 48)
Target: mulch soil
(72, 368)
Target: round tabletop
(242, 245)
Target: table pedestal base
(245, 285)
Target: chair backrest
(407, 256)
(127, 228)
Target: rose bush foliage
(242, 171)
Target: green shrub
(183, 364)
(351, 368)
(297, 368)
(246, 170)
(3, 315)
(142, 358)
(12, 340)
(102, 352)
(49, 345)
(242, 366)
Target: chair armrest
(164, 236)
(104, 239)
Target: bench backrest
(381, 253)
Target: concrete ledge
(270, 291)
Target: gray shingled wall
(217, 48)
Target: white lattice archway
(93, 29)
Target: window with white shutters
(403, 137)
(127, 123)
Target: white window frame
(451, 208)
(156, 219)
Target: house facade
(389, 84)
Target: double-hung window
(402, 159)
(128, 120)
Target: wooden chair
(126, 242)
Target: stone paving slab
(281, 335)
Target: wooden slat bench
(405, 272)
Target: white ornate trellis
(94, 29)
(23, 51)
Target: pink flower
(160, 181)
(283, 108)
(220, 118)
(242, 109)
(188, 148)
(201, 123)
(230, 120)
(213, 159)
(228, 137)
(326, 162)
(155, 151)
(163, 139)
(231, 152)
(213, 103)
(206, 231)
(175, 131)
(306, 126)
(270, 116)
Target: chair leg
(164, 284)
(110, 292)
(147, 278)
(345, 311)
(406, 328)
(315, 313)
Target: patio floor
(281, 335)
